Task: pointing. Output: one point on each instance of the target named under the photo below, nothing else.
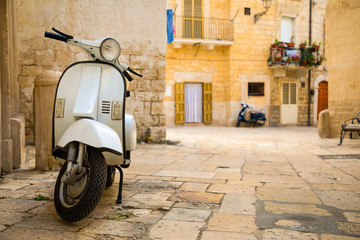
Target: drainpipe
(309, 77)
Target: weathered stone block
(26, 81)
(139, 62)
(32, 70)
(6, 155)
(324, 129)
(45, 58)
(144, 85)
(18, 139)
(158, 85)
(157, 108)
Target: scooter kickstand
(119, 198)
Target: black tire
(261, 123)
(110, 176)
(237, 123)
(88, 196)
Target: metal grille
(204, 28)
(105, 107)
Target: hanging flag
(170, 26)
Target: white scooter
(91, 130)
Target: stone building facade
(229, 55)
(26, 56)
(137, 25)
(343, 54)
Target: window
(193, 18)
(256, 89)
(287, 29)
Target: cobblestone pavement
(218, 183)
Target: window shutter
(207, 103)
(285, 93)
(188, 12)
(197, 8)
(179, 103)
(292, 93)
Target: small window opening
(256, 89)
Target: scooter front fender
(92, 133)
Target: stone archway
(320, 78)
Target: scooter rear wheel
(237, 123)
(110, 176)
(76, 200)
(260, 123)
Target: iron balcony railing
(203, 28)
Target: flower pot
(296, 59)
(290, 44)
(316, 47)
(302, 45)
(278, 59)
(274, 45)
(303, 63)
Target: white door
(289, 108)
(193, 103)
(287, 29)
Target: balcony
(208, 31)
(285, 56)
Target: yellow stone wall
(232, 67)
(343, 55)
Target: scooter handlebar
(55, 36)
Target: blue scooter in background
(256, 117)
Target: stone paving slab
(245, 183)
(175, 230)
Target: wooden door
(179, 103)
(207, 107)
(322, 97)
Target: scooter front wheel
(76, 200)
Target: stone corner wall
(342, 34)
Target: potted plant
(295, 57)
(303, 60)
(303, 44)
(291, 43)
(316, 45)
(269, 61)
(277, 54)
(275, 44)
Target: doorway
(289, 108)
(322, 98)
(193, 103)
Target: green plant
(39, 197)
(310, 61)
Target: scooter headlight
(110, 49)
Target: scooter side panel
(67, 89)
(112, 90)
